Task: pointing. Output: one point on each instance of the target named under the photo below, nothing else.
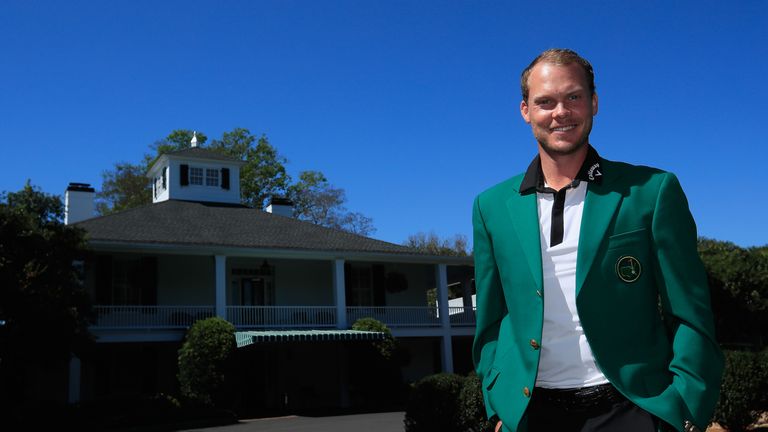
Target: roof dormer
(195, 174)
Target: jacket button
(538, 293)
(526, 392)
(535, 345)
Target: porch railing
(396, 316)
(156, 317)
(462, 315)
(282, 316)
(177, 317)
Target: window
(211, 177)
(360, 286)
(159, 185)
(195, 175)
(125, 281)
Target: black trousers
(622, 416)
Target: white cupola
(195, 174)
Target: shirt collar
(590, 171)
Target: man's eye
(574, 97)
(543, 102)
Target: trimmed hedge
(473, 418)
(744, 390)
(446, 403)
(387, 346)
(433, 404)
(203, 360)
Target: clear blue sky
(410, 106)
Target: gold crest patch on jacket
(628, 268)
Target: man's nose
(561, 111)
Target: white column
(221, 286)
(441, 277)
(73, 394)
(340, 293)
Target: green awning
(245, 338)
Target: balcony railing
(282, 316)
(462, 315)
(273, 317)
(155, 317)
(396, 316)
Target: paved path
(377, 422)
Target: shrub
(203, 359)
(473, 418)
(743, 390)
(383, 389)
(386, 346)
(433, 404)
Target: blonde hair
(561, 57)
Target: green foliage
(472, 415)
(263, 174)
(385, 388)
(123, 188)
(204, 358)
(434, 404)
(40, 293)
(738, 279)
(447, 403)
(30, 202)
(744, 390)
(434, 245)
(317, 201)
(178, 139)
(386, 347)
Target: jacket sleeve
(697, 362)
(491, 307)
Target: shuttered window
(225, 178)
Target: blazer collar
(600, 206)
(590, 171)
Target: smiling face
(559, 108)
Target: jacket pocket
(490, 380)
(634, 238)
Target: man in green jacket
(593, 306)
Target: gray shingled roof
(193, 223)
(202, 153)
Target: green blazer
(653, 337)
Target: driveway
(376, 422)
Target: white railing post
(340, 293)
(441, 277)
(221, 286)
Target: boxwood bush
(433, 404)
(204, 358)
(744, 390)
(473, 418)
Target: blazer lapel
(600, 207)
(525, 219)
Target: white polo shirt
(566, 359)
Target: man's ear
(524, 112)
(594, 104)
